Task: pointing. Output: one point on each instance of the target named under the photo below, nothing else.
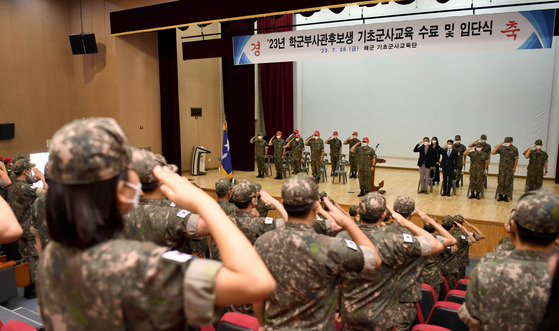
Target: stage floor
(400, 182)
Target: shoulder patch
(183, 213)
(176, 256)
(463, 237)
(351, 244)
(408, 238)
(320, 219)
(269, 220)
(172, 204)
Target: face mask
(365, 144)
(425, 143)
(478, 149)
(507, 144)
(483, 141)
(278, 137)
(335, 137)
(457, 142)
(354, 137)
(136, 199)
(31, 177)
(538, 146)
(316, 137)
(297, 139)
(433, 141)
(449, 146)
(260, 137)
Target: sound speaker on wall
(83, 43)
(7, 131)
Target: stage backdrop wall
(398, 100)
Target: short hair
(447, 227)
(405, 215)
(221, 193)
(426, 138)
(450, 141)
(83, 215)
(370, 219)
(150, 187)
(298, 211)
(534, 238)
(241, 205)
(428, 227)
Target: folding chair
(341, 171)
(430, 184)
(268, 165)
(323, 174)
(511, 189)
(286, 168)
(481, 193)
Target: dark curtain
(557, 169)
(169, 90)
(276, 85)
(238, 101)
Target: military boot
(506, 198)
(361, 193)
(500, 198)
(472, 195)
(477, 196)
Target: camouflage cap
(260, 134)
(143, 162)
(88, 151)
(459, 218)
(508, 139)
(22, 164)
(539, 142)
(243, 192)
(258, 187)
(223, 185)
(353, 210)
(161, 160)
(404, 204)
(448, 220)
(17, 157)
(478, 145)
(483, 137)
(538, 211)
(457, 137)
(322, 195)
(299, 190)
(372, 205)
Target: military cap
(372, 205)
(428, 227)
(260, 134)
(404, 204)
(143, 162)
(459, 218)
(278, 133)
(539, 142)
(478, 145)
(448, 220)
(258, 187)
(457, 137)
(299, 190)
(22, 164)
(18, 157)
(316, 133)
(223, 185)
(538, 211)
(243, 192)
(508, 139)
(335, 133)
(161, 160)
(88, 151)
(365, 139)
(355, 133)
(483, 137)
(297, 135)
(353, 210)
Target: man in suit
(449, 164)
(425, 163)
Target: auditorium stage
(400, 182)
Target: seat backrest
(428, 327)
(462, 284)
(8, 283)
(445, 314)
(17, 326)
(237, 322)
(457, 296)
(428, 300)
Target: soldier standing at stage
(261, 149)
(478, 168)
(486, 148)
(507, 167)
(297, 149)
(537, 166)
(317, 153)
(335, 150)
(461, 162)
(351, 141)
(366, 159)
(279, 151)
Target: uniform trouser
(315, 166)
(461, 273)
(436, 173)
(296, 165)
(459, 167)
(534, 180)
(353, 162)
(260, 163)
(406, 315)
(423, 177)
(448, 177)
(504, 181)
(365, 180)
(278, 161)
(334, 158)
(476, 181)
(451, 279)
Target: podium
(199, 160)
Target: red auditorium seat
(16, 326)
(462, 284)
(428, 300)
(428, 327)
(456, 296)
(445, 314)
(207, 328)
(237, 322)
(444, 289)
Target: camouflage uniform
(353, 160)
(365, 156)
(353, 214)
(335, 151)
(459, 162)
(260, 147)
(279, 144)
(432, 274)
(223, 185)
(227, 207)
(39, 226)
(297, 148)
(505, 244)
(306, 266)
(506, 165)
(477, 165)
(116, 284)
(534, 177)
(452, 264)
(369, 301)
(317, 147)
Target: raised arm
(472, 144)
(468, 233)
(271, 140)
(10, 230)
(436, 246)
(4, 174)
(449, 240)
(494, 151)
(481, 234)
(244, 276)
(352, 150)
(269, 200)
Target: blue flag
(226, 167)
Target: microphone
(376, 147)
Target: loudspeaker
(83, 43)
(7, 131)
